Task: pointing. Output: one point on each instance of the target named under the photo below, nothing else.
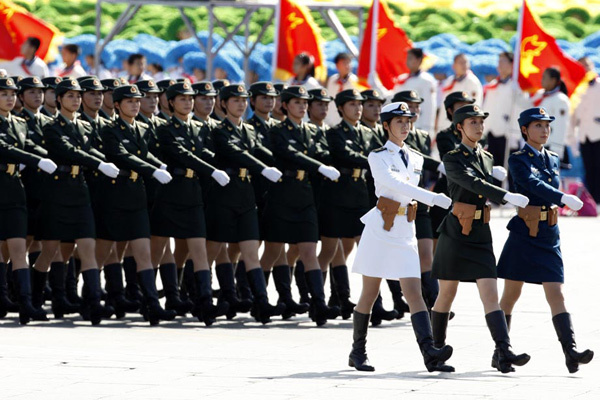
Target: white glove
(571, 201)
(162, 176)
(441, 169)
(221, 177)
(163, 167)
(442, 201)
(329, 172)
(47, 165)
(516, 199)
(499, 173)
(272, 174)
(22, 167)
(109, 169)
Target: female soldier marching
(389, 237)
(464, 251)
(532, 252)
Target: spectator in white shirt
(304, 68)
(71, 66)
(136, 67)
(29, 64)
(343, 80)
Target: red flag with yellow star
(537, 50)
(297, 32)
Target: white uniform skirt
(387, 255)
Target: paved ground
(296, 360)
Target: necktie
(404, 157)
(543, 159)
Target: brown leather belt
(73, 170)
(355, 173)
(298, 174)
(185, 172)
(241, 173)
(129, 174)
(390, 208)
(532, 215)
(466, 213)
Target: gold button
(305, 151)
(480, 196)
(55, 177)
(43, 142)
(157, 145)
(113, 181)
(78, 147)
(193, 148)
(549, 179)
(100, 146)
(543, 207)
(139, 152)
(16, 144)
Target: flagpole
(373, 55)
(517, 50)
(276, 51)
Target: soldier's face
(164, 103)
(183, 104)
(204, 105)
(8, 99)
(414, 108)
(296, 108)
(70, 101)
(33, 98)
(108, 100)
(277, 107)
(50, 97)
(537, 132)
(472, 129)
(371, 110)
(398, 128)
(318, 110)
(148, 104)
(93, 100)
(129, 108)
(236, 106)
(264, 104)
(352, 110)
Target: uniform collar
(535, 151)
(354, 127)
(186, 123)
(7, 119)
(30, 114)
(127, 124)
(393, 147)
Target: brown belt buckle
(74, 171)
(401, 211)
(133, 176)
(356, 173)
(243, 173)
(11, 168)
(300, 175)
(544, 216)
(477, 214)
(189, 173)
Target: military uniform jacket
(262, 127)
(446, 140)
(183, 148)
(15, 149)
(150, 137)
(107, 117)
(68, 144)
(47, 113)
(320, 138)
(378, 135)
(97, 125)
(33, 178)
(470, 181)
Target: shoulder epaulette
(519, 153)
(553, 153)
(455, 151)
(379, 150)
(143, 124)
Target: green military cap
(164, 84)
(371, 94)
(31, 82)
(92, 85)
(457, 97)
(320, 95)
(123, 80)
(294, 92)
(236, 90)
(264, 88)
(67, 85)
(280, 86)
(51, 81)
(220, 84)
(8, 84)
(83, 78)
(348, 95)
(148, 86)
(127, 92)
(408, 96)
(16, 78)
(110, 84)
(178, 88)
(205, 88)
(468, 111)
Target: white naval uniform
(426, 87)
(392, 254)
(333, 88)
(470, 84)
(586, 117)
(556, 104)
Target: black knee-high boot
(358, 356)
(71, 280)
(430, 288)
(6, 304)
(189, 286)
(113, 273)
(154, 312)
(399, 304)
(96, 311)
(282, 276)
(566, 336)
(439, 325)
(319, 310)
(379, 313)
(301, 282)
(262, 310)
(47, 291)
(168, 275)
(333, 294)
(38, 285)
(241, 281)
(132, 287)
(60, 304)
(228, 293)
(496, 323)
(433, 357)
(341, 280)
(27, 312)
(205, 311)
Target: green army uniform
(110, 85)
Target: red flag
(537, 50)
(384, 47)
(17, 24)
(297, 33)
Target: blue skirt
(531, 259)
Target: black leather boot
(358, 356)
(132, 287)
(47, 291)
(267, 275)
(241, 281)
(113, 273)
(97, 311)
(430, 289)
(439, 325)
(433, 357)
(71, 280)
(282, 276)
(379, 313)
(168, 275)
(6, 304)
(205, 310)
(566, 336)
(495, 364)
(301, 282)
(320, 312)
(38, 286)
(228, 294)
(60, 304)
(262, 310)
(341, 281)
(189, 285)
(333, 295)
(27, 312)
(399, 304)
(499, 330)
(154, 312)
